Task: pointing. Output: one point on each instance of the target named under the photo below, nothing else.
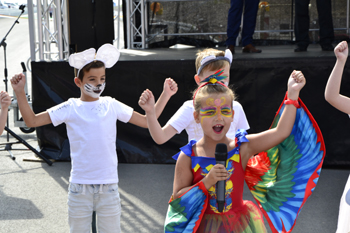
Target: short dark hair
(87, 67)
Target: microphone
(23, 67)
(21, 7)
(24, 71)
(221, 157)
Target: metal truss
(135, 33)
(48, 30)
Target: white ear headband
(107, 53)
(211, 58)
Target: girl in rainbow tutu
(281, 176)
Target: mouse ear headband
(107, 53)
(211, 58)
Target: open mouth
(218, 128)
(97, 91)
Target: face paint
(215, 106)
(93, 91)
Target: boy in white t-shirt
(92, 133)
(208, 62)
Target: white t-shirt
(92, 134)
(183, 119)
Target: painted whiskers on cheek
(93, 91)
(214, 107)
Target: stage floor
(189, 53)
(34, 197)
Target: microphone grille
(23, 67)
(221, 148)
(221, 152)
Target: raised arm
(32, 120)
(5, 103)
(169, 89)
(160, 135)
(272, 137)
(332, 92)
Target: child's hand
(18, 82)
(216, 173)
(170, 86)
(341, 51)
(5, 100)
(295, 83)
(146, 101)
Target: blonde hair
(203, 91)
(216, 65)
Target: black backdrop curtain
(260, 85)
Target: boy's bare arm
(170, 88)
(5, 100)
(31, 119)
(141, 120)
(160, 135)
(3, 117)
(332, 91)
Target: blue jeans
(234, 21)
(83, 199)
